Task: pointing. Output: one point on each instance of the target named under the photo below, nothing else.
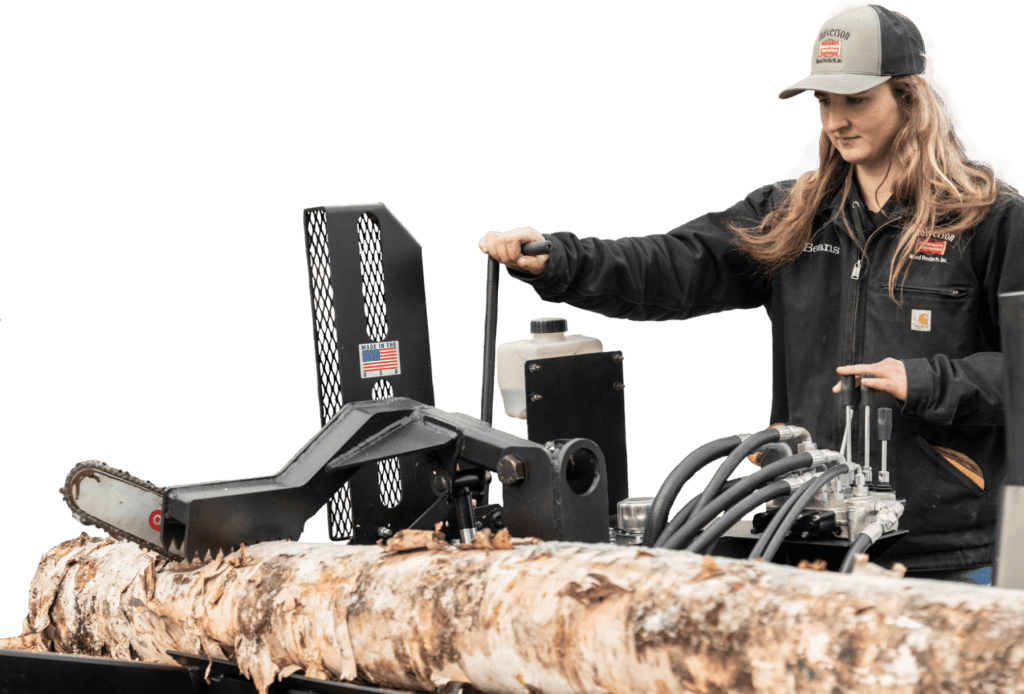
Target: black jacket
(831, 307)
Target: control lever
(491, 324)
(867, 396)
(851, 402)
(884, 434)
(467, 523)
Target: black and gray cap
(861, 48)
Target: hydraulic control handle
(884, 434)
(867, 396)
(491, 325)
(850, 402)
(851, 397)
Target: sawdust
(708, 569)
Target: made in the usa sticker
(379, 359)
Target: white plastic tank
(549, 340)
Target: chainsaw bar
(126, 507)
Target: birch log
(551, 618)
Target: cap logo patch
(931, 246)
(830, 48)
(921, 320)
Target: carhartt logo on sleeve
(830, 48)
(920, 320)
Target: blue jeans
(982, 576)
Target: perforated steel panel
(371, 270)
(388, 476)
(325, 334)
(325, 337)
(375, 308)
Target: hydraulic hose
(684, 515)
(657, 516)
(714, 531)
(773, 525)
(702, 516)
(780, 447)
(805, 495)
(859, 546)
(751, 444)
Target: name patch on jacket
(821, 248)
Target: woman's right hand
(505, 248)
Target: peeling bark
(553, 617)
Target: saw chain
(125, 506)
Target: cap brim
(837, 84)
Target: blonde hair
(939, 189)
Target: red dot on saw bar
(154, 520)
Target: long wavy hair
(941, 192)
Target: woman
(888, 259)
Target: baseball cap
(861, 48)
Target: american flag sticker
(379, 359)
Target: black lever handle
(884, 423)
(851, 398)
(491, 325)
(535, 248)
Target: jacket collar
(892, 208)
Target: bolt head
(441, 483)
(511, 470)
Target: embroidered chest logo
(933, 248)
(921, 320)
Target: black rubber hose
(805, 495)
(859, 546)
(741, 451)
(731, 517)
(681, 517)
(780, 447)
(657, 516)
(773, 525)
(702, 516)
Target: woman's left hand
(888, 375)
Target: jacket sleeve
(970, 390)
(693, 270)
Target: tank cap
(549, 325)
(632, 513)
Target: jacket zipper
(954, 292)
(855, 275)
(857, 288)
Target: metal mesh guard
(339, 508)
(375, 308)
(371, 269)
(388, 476)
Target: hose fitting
(788, 432)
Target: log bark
(552, 618)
